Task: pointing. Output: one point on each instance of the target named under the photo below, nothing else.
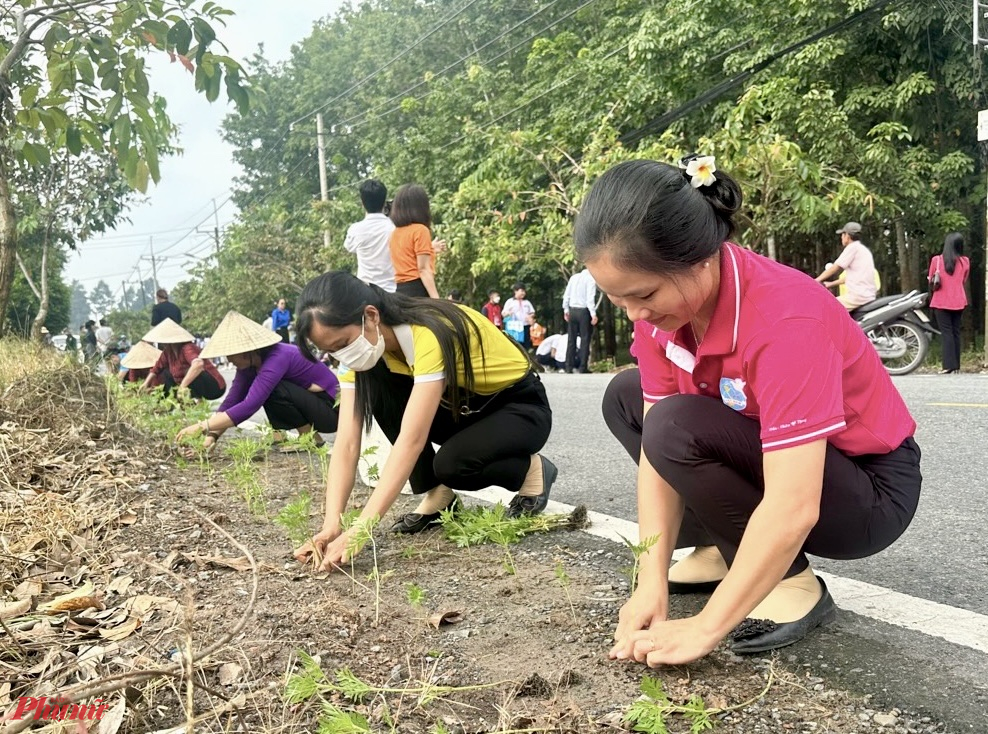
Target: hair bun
(718, 188)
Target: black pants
(547, 360)
(413, 288)
(579, 326)
(712, 456)
(491, 447)
(292, 406)
(949, 322)
(283, 333)
(204, 386)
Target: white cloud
(206, 170)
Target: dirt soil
(529, 646)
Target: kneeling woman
(180, 364)
(448, 376)
(765, 425)
(294, 392)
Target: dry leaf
(27, 589)
(127, 518)
(81, 598)
(5, 695)
(122, 630)
(237, 564)
(14, 609)
(229, 673)
(112, 720)
(451, 617)
(120, 584)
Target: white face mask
(360, 355)
(495, 299)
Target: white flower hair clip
(699, 169)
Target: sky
(205, 171)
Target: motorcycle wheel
(917, 344)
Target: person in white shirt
(104, 334)
(519, 315)
(551, 352)
(858, 266)
(369, 238)
(580, 312)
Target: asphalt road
(943, 556)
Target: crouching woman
(296, 394)
(429, 372)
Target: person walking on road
(369, 238)
(429, 372)
(580, 312)
(763, 421)
(164, 309)
(296, 394)
(281, 317)
(857, 267)
(950, 269)
(412, 250)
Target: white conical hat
(168, 332)
(237, 334)
(141, 356)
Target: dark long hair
(953, 248)
(647, 216)
(411, 206)
(338, 299)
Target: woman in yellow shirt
(429, 372)
(412, 252)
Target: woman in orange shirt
(411, 243)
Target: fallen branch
(176, 670)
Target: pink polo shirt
(781, 350)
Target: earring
(706, 264)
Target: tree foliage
(506, 114)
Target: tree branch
(27, 276)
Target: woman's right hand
(649, 603)
(315, 547)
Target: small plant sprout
(564, 581)
(294, 519)
(648, 714)
(415, 594)
(638, 550)
(365, 456)
(475, 525)
(362, 533)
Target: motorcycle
(899, 329)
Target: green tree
(78, 305)
(72, 77)
(102, 300)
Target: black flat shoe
(761, 635)
(700, 587)
(534, 505)
(416, 522)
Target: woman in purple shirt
(294, 392)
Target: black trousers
(949, 323)
(712, 456)
(292, 406)
(204, 386)
(579, 326)
(547, 360)
(413, 288)
(283, 333)
(491, 447)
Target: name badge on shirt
(680, 357)
(732, 393)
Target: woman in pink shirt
(764, 424)
(949, 301)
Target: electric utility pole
(323, 188)
(216, 227)
(154, 264)
(981, 39)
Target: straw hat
(141, 356)
(168, 332)
(237, 334)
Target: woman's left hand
(336, 552)
(189, 431)
(673, 642)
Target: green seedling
(365, 456)
(362, 533)
(475, 525)
(638, 550)
(649, 713)
(564, 581)
(415, 594)
(335, 720)
(294, 519)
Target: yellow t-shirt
(502, 365)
